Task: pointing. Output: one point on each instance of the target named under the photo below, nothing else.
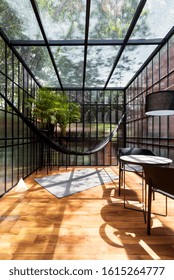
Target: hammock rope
(55, 145)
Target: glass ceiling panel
(38, 60)
(111, 19)
(18, 20)
(130, 62)
(69, 61)
(155, 20)
(63, 19)
(99, 64)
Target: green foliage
(44, 107)
(52, 107)
(9, 22)
(68, 112)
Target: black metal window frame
(137, 130)
(85, 43)
(100, 112)
(154, 133)
(19, 147)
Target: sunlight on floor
(149, 250)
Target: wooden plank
(46, 227)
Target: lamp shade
(160, 103)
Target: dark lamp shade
(160, 103)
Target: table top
(145, 160)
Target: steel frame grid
(86, 42)
(92, 160)
(13, 167)
(123, 45)
(162, 145)
(160, 45)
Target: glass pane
(16, 70)
(16, 96)
(9, 125)
(156, 63)
(69, 61)
(9, 167)
(163, 61)
(2, 89)
(25, 159)
(63, 19)
(21, 160)
(99, 63)
(21, 75)
(2, 128)
(111, 19)
(9, 63)
(15, 164)
(171, 81)
(15, 129)
(130, 61)
(171, 54)
(156, 20)
(38, 60)
(9, 94)
(18, 20)
(2, 171)
(2, 56)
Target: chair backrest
(135, 151)
(161, 179)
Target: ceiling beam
(88, 6)
(86, 88)
(82, 42)
(164, 41)
(35, 9)
(126, 39)
(7, 41)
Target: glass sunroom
(106, 56)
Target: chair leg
(143, 195)
(145, 201)
(149, 210)
(153, 195)
(120, 180)
(166, 205)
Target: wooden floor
(89, 225)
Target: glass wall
(100, 113)
(155, 133)
(19, 148)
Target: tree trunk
(63, 130)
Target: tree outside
(52, 108)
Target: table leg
(144, 196)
